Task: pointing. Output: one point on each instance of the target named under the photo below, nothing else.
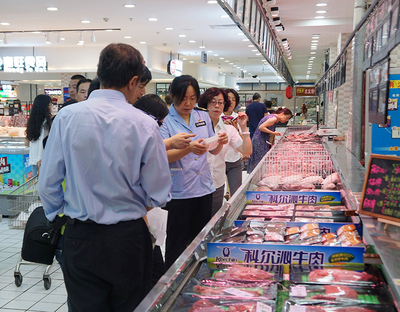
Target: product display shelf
(163, 296)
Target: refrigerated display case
(351, 174)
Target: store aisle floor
(31, 295)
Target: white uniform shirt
(232, 155)
(217, 162)
(36, 147)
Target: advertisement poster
(386, 137)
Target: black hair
(209, 95)
(82, 81)
(236, 95)
(256, 96)
(17, 102)
(39, 114)
(179, 85)
(153, 105)
(118, 64)
(285, 111)
(94, 85)
(168, 100)
(268, 104)
(77, 77)
(145, 77)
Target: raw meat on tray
(238, 272)
(333, 292)
(339, 276)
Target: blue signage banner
(298, 198)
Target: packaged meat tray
(270, 207)
(266, 213)
(229, 290)
(340, 293)
(313, 214)
(337, 275)
(321, 208)
(240, 273)
(300, 306)
(187, 303)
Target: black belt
(74, 221)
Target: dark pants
(158, 265)
(234, 173)
(186, 218)
(218, 199)
(107, 267)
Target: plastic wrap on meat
(220, 291)
(309, 226)
(313, 180)
(292, 230)
(346, 228)
(270, 182)
(298, 186)
(333, 178)
(291, 179)
(313, 214)
(242, 273)
(263, 189)
(312, 240)
(243, 307)
(352, 241)
(204, 305)
(328, 186)
(331, 242)
(347, 235)
(274, 237)
(328, 236)
(255, 219)
(255, 239)
(333, 292)
(312, 208)
(309, 233)
(339, 276)
(235, 240)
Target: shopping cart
(22, 201)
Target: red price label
(3, 161)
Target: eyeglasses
(213, 103)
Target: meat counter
(164, 294)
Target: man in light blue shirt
(113, 160)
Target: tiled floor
(31, 295)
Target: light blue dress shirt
(191, 175)
(112, 158)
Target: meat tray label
(300, 198)
(262, 307)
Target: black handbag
(41, 237)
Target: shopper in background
(72, 89)
(215, 100)
(94, 85)
(265, 135)
(37, 129)
(304, 110)
(108, 153)
(144, 79)
(168, 100)
(82, 89)
(268, 104)
(20, 119)
(233, 161)
(255, 111)
(192, 186)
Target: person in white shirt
(38, 128)
(233, 160)
(216, 101)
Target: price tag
(298, 309)
(298, 291)
(262, 307)
(237, 292)
(396, 281)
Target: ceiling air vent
(226, 26)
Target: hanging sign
(305, 91)
(21, 64)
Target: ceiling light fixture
(274, 11)
(254, 50)
(258, 53)
(184, 59)
(52, 9)
(321, 4)
(47, 40)
(276, 20)
(142, 42)
(152, 19)
(93, 38)
(279, 27)
(192, 41)
(223, 16)
(314, 40)
(319, 17)
(191, 61)
(129, 6)
(230, 63)
(226, 61)
(4, 24)
(85, 21)
(245, 39)
(81, 40)
(313, 52)
(240, 34)
(168, 28)
(182, 36)
(251, 46)
(109, 30)
(321, 12)
(212, 1)
(221, 58)
(202, 46)
(216, 54)
(127, 37)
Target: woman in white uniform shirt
(216, 101)
(232, 159)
